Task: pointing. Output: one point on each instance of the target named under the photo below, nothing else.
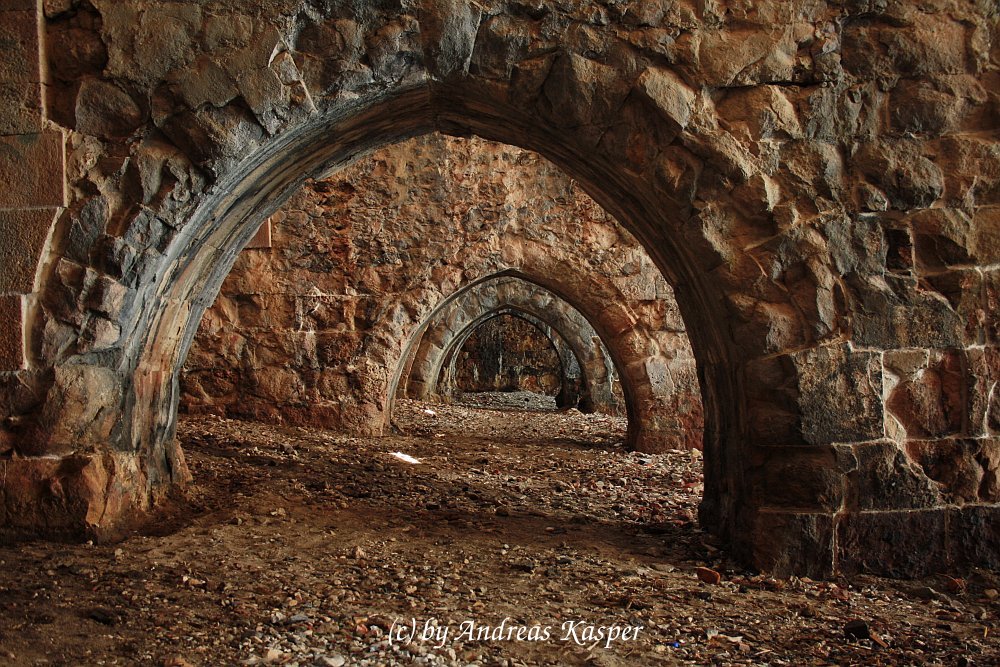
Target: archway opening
(375, 280)
(507, 354)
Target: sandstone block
(934, 106)
(32, 170)
(104, 110)
(899, 169)
(933, 44)
(945, 237)
(766, 112)
(971, 168)
(900, 544)
(966, 470)
(20, 108)
(840, 394)
(22, 237)
(786, 541)
(887, 478)
(582, 94)
(81, 409)
(802, 478)
(449, 35)
(19, 36)
(930, 402)
(773, 410)
(974, 536)
(749, 55)
(894, 314)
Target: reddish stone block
(262, 239)
(20, 107)
(19, 38)
(22, 236)
(32, 169)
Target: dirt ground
(474, 536)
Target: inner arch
(237, 204)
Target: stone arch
(785, 250)
(569, 369)
(448, 328)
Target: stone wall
(818, 181)
(315, 329)
(507, 353)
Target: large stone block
(888, 479)
(672, 97)
(784, 542)
(96, 496)
(966, 470)
(974, 537)
(891, 312)
(929, 400)
(773, 410)
(11, 347)
(22, 236)
(20, 108)
(971, 167)
(878, 48)
(19, 41)
(32, 169)
(909, 543)
(907, 177)
(802, 479)
(840, 394)
(934, 106)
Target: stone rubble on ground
(300, 547)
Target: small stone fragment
(708, 575)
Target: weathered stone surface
(899, 169)
(765, 237)
(804, 478)
(673, 98)
(967, 471)
(934, 106)
(11, 318)
(973, 537)
(105, 110)
(338, 286)
(887, 478)
(20, 108)
(928, 44)
(900, 544)
(80, 411)
(22, 236)
(40, 185)
(789, 541)
(971, 168)
(840, 394)
(929, 401)
(19, 36)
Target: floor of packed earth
(469, 525)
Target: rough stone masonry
(318, 328)
(817, 181)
